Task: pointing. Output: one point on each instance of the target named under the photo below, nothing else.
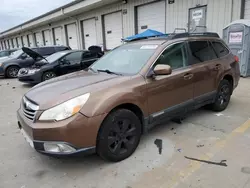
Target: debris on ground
(200, 146)
(13, 87)
(158, 143)
(222, 163)
(179, 150)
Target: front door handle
(217, 67)
(188, 76)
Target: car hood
(32, 53)
(53, 92)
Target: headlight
(33, 71)
(1, 64)
(66, 109)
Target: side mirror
(162, 70)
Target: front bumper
(2, 73)
(31, 79)
(78, 132)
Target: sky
(15, 12)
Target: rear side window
(46, 51)
(89, 55)
(201, 51)
(220, 49)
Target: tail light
(236, 58)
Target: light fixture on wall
(124, 1)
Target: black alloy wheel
(12, 71)
(223, 96)
(48, 75)
(119, 135)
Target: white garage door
(72, 36)
(89, 32)
(47, 37)
(25, 41)
(57, 32)
(247, 9)
(31, 40)
(19, 41)
(39, 39)
(113, 30)
(151, 16)
(8, 44)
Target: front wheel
(12, 71)
(223, 96)
(48, 75)
(119, 135)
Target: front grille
(29, 108)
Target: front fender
(106, 103)
(5, 66)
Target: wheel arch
(10, 65)
(229, 78)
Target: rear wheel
(12, 71)
(223, 96)
(119, 135)
(48, 75)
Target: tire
(12, 71)
(223, 96)
(119, 135)
(48, 75)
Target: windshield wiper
(109, 72)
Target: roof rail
(184, 35)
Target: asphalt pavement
(207, 150)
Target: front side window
(201, 51)
(126, 59)
(174, 56)
(75, 56)
(220, 49)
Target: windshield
(16, 54)
(54, 57)
(127, 59)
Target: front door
(70, 63)
(168, 95)
(197, 19)
(207, 68)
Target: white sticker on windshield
(149, 47)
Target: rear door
(88, 58)
(207, 69)
(70, 63)
(171, 94)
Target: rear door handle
(188, 76)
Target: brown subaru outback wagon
(136, 86)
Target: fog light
(58, 148)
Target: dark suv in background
(10, 66)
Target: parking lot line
(194, 165)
